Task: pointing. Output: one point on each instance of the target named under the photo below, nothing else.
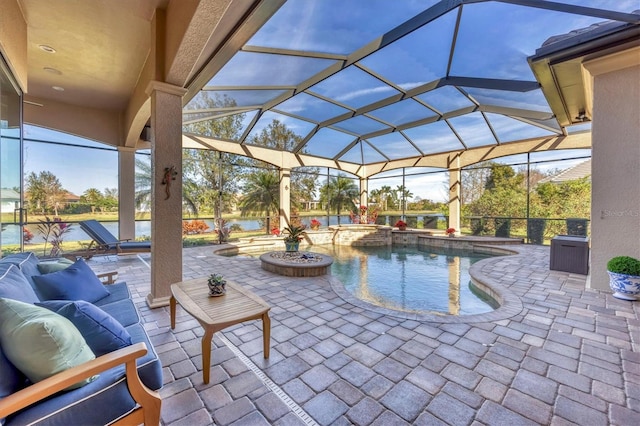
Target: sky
(490, 51)
(91, 168)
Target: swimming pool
(409, 279)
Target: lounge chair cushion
(101, 331)
(40, 343)
(77, 282)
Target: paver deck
(568, 356)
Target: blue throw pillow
(77, 282)
(101, 331)
(14, 285)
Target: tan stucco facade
(615, 197)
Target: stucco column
(454, 194)
(166, 190)
(285, 198)
(126, 193)
(364, 199)
(615, 175)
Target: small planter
(291, 247)
(217, 285)
(451, 235)
(624, 287)
(402, 228)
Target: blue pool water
(410, 279)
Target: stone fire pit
(296, 264)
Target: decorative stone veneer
(362, 235)
(296, 264)
(469, 243)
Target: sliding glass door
(11, 188)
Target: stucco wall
(13, 40)
(615, 204)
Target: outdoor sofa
(105, 368)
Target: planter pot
(217, 289)
(624, 287)
(402, 228)
(451, 235)
(291, 246)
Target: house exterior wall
(615, 198)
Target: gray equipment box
(570, 253)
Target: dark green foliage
(503, 227)
(577, 227)
(624, 265)
(477, 225)
(535, 230)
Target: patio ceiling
(374, 82)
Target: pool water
(409, 279)
(412, 279)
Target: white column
(126, 193)
(166, 190)
(615, 175)
(285, 197)
(454, 194)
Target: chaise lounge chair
(107, 243)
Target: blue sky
(78, 169)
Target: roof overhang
(558, 66)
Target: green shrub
(624, 265)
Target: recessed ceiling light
(58, 88)
(52, 70)
(46, 48)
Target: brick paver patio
(567, 356)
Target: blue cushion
(77, 282)
(14, 285)
(119, 291)
(27, 262)
(123, 310)
(11, 379)
(101, 331)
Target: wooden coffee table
(216, 313)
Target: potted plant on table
(624, 277)
(293, 236)
(402, 225)
(217, 285)
(451, 232)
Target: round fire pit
(296, 264)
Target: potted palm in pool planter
(624, 277)
(292, 236)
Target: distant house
(578, 171)
(70, 198)
(9, 199)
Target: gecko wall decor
(170, 174)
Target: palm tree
(340, 192)
(92, 196)
(261, 195)
(143, 183)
